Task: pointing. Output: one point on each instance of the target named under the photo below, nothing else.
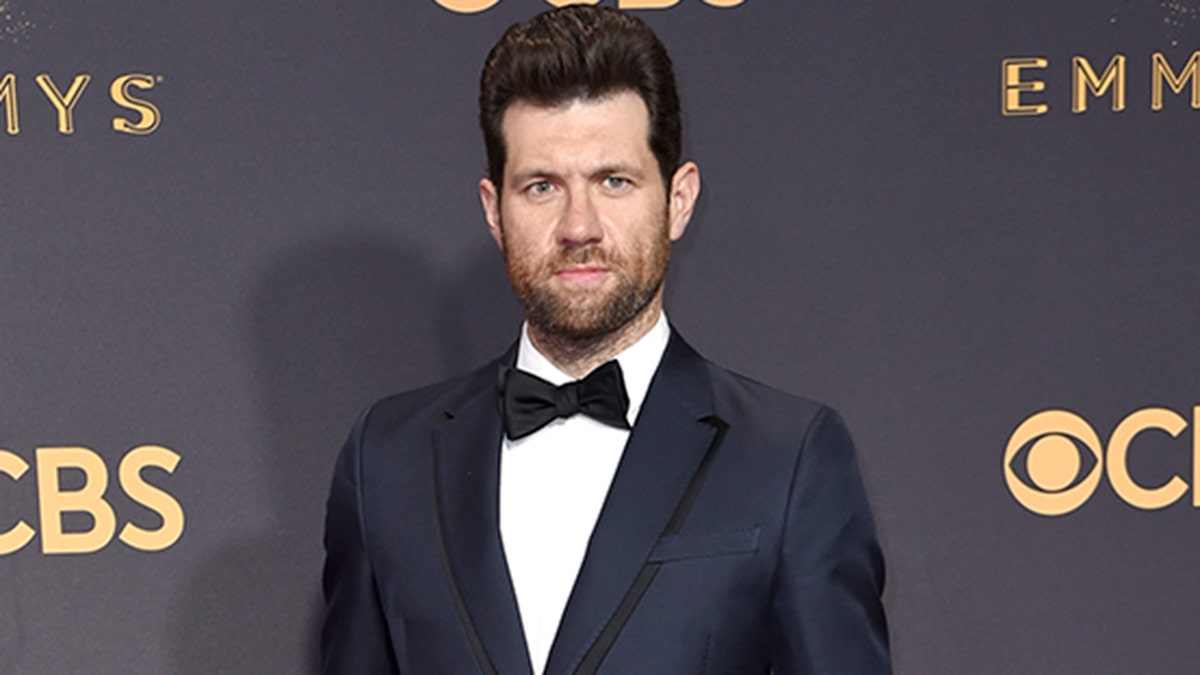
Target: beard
(584, 314)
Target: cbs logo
(54, 500)
(472, 6)
(1054, 461)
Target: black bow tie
(529, 403)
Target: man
(599, 498)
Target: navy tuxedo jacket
(736, 538)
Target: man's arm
(827, 614)
(355, 636)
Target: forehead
(607, 129)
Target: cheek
(652, 232)
(518, 245)
(530, 229)
(519, 248)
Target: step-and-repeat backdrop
(971, 227)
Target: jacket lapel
(657, 476)
(466, 460)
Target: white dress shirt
(552, 486)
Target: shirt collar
(638, 363)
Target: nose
(580, 222)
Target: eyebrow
(602, 170)
(628, 169)
(522, 176)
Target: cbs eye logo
(1063, 459)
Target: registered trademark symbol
(158, 79)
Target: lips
(581, 274)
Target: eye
(1053, 462)
(616, 183)
(539, 188)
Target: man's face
(584, 220)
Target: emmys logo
(142, 118)
(1020, 88)
(1062, 459)
(56, 500)
(473, 6)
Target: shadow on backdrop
(333, 325)
(478, 316)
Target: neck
(579, 356)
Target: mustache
(586, 255)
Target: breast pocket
(705, 545)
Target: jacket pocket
(705, 545)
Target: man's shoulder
(770, 422)
(773, 412)
(729, 385)
(431, 402)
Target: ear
(681, 199)
(489, 197)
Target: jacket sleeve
(354, 636)
(827, 611)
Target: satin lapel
(466, 449)
(674, 433)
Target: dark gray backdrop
(301, 235)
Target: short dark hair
(580, 52)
